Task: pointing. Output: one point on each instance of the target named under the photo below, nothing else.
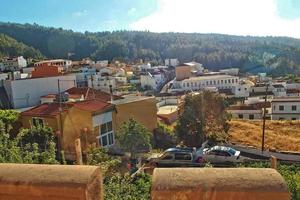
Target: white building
(219, 81)
(245, 112)
(65, 64)
(230, 71)
(13, 63)
(152, 80)
(196, 68)
(285, 108)
(27, 92)
(171, 62)
(103, 83)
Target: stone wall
(50, 182)
(218, 183)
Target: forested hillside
(276, 55)
(11, 47)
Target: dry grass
(279, 135)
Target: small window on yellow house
(106, 137)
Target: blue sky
(239, 17)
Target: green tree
(203, 117)
(127, 188)
(100, 157)
(8, 117)
(133, 137)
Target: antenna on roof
(111, 93)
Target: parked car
(178, 157)
(221, 155)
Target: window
(221, 81)
(245, 89)
(218, 82)
(106, 137)
(281, 118)
(241, 116)
(183, 84)
(187, 84)
(294, 108)
(183, 156)
(214, 82)
(192, 84)
(251, 116)
(37, 121)
(225, 81)
(206, 82)
(281, 107)
(229, 81)
(239, 89)
(210, 82)
(294, 118)
(167, 156)
(232, 80)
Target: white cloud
(80, 13)
(238, 17)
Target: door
(183, 160)
(166, 160)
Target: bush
(127, 188)
(100, 157)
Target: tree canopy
(203, 117)
(275, 55)
(133, 137)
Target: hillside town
(87, 103)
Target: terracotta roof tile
(89, 94)
(46, 109)
(92, 105)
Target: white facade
(287, 108)
(13, 63)
(27, 92)
(230, 71)
(102, 82)
(66, 64)
(105, 136)
(152, 80)
(246, 114)
(171, 62)
(242, 90)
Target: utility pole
(264, 121)
(60, 120)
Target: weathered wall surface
(50, 182)
(218, 183)
(144, 112)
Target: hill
(279, 135)
(11, 47)
(275, 55)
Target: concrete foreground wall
(50, 182)
(218, 183)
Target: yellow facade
(77, 123)
(143, 111)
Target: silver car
(221, 155)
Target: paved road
(257, 154)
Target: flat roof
(131, 98)
(198, 78)
(167, 109)
(286, 99)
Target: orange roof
(92, 105)
(89, 94)
(44, 110)
(49, 96)
(52, 109)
